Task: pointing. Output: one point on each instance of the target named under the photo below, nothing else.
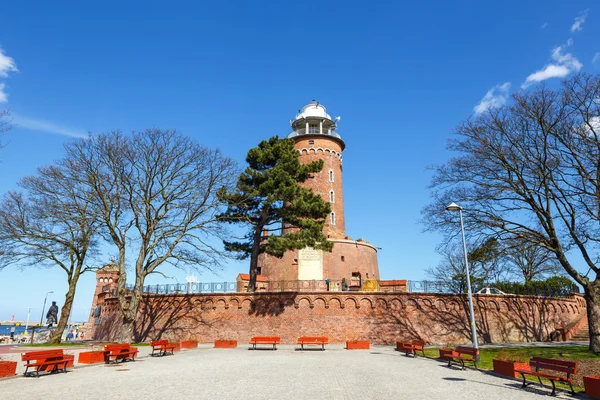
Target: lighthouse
(352, 260)
(316, 139)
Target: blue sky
(230, 74)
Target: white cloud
(494, 98)
(544, 25)
(40, 125)
(3, 97)
(7, 64)
(563, 66)
(579, 21)
(596, 57)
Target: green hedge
(556, 286)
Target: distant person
(69, 336)
(52, 315)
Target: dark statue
(52, 315)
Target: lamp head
(453, 207)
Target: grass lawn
(523, 353)
(589, 363)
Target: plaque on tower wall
(310, 264)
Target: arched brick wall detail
(492, 305)
(366, 302)
(320, 302)
(453, 305)
(351, 301)
(207, 304)
(382, 304)
(441, 305)
(412, 304)
(396, 304)
(235, 303)
(335, 302)
(304, 300)
(427, 303)
(246, 303)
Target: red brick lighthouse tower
(353, 260)
(316, 139)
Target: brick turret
(107, 278)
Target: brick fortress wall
(382, 318)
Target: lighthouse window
(331, 175)
(332, 217)
(313, 128)
(331, 197)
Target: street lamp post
(27, 323)
(44, 307)
(456, 207)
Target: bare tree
(486, 265)
(54, 223)
(5, 123)
(156, 191)
(531, 262)
(531, 170)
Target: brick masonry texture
(381, 318)
(347, 256)
(328, 150)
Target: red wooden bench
(162, 347)
(463, 353)
(274, 340)
(567, 367)
(411, 347)
(119, 352)
(45, 360)
(322, 340)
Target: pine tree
(269, 196)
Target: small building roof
(110, 267)
(246, 277)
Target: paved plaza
(208, 373)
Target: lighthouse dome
(313, 109)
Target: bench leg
(553, 388)
(524, 381)
(572, 390)
(462, 363)
(449, 362)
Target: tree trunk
(65, 312)
(254, 258)
(129, 309)
(592, 297)
(129, 315)
(126, 329)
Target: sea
(5, 329)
